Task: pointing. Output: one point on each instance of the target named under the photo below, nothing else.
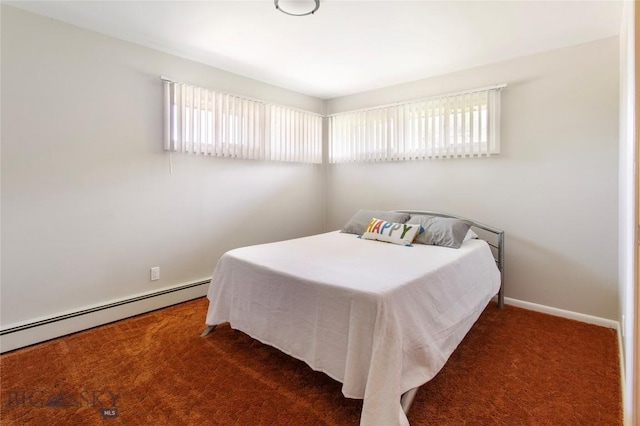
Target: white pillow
(391, 232)
(470, 236)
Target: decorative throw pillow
(358, 223)
(391, 232)
(441, 231)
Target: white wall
(553, 189)
(88, 203)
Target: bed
(380, 318)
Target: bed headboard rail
(493, 236)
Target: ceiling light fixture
(297, 7)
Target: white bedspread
(378, 317)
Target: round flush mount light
(297, 7)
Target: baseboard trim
(589, 319)
(30, 332)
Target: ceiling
(346, 46)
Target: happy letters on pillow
(359, 222)
(391, 232)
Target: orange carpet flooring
(515, 367)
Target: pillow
(470, 235)
(391, 232)
(441, 231)
(359, 222)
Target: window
(202, 121)
(466, 124)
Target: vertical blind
(202, 121)
(465, 124)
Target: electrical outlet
(155, 273)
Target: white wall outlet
(155, 273)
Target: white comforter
(378, 317)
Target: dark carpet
(515, 367)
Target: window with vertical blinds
(202, 121)
(465, 124)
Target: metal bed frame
(495, 241)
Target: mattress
(380, 318)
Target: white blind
(202, 121)
(465, 124)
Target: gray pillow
(358, 223)
(440, 231)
